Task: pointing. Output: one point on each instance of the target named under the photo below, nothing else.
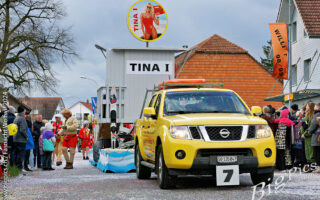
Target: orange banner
(279, 38)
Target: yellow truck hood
(214, 118)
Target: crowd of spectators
(297, 135)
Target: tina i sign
(147, 20)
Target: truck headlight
(263, 131)
(180, 132)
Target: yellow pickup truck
(203, 131)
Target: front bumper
(202, 156)
(207, 166)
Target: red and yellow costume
(56, 129)
(85, 136)
(70, 138)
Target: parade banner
(279, 37)
(147, 20)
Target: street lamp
(84, 77)
(101, 49)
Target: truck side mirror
(256, 110)
(149, 112)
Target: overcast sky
(103, 22)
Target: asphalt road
(87, 182)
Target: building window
(78, 116)
(305, 33)
(57, 111)
(294, 31)
(307, 70)
(294, 74)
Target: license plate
(227, 159)
(227, 175)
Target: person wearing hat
(20, 138)
(85, 137)
(293, 114)
(48, 146)
(57, 125)
(70, 139)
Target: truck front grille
(251, 132)
(195, 133)
(220, 133)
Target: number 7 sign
(227, 175)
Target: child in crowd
(42, 130)
(48, 146)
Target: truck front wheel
(142, 172)
(267, 178)
(165, 181)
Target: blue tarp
(91, 161)
(116, 162)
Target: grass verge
(13, 171)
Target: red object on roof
(158, 10)
(181, 81)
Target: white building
(305, 42)
(81, 110)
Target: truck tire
(267, 178)
(96, 148)
(165, 181)
(142, 172)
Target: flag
(279, 37)
(94, 104)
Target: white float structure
(130, 72)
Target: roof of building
(46, 106)
(86, 104)
(14, 101)
(310, 13)
(219, 60)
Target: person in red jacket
(85, 136)
(57, 125)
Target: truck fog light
(180, 154)
(268, 153)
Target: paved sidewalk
(87, 182)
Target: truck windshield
(184, 102)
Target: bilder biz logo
(261, 190)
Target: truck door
(153, 123)
(147, 131)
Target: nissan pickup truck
(202, 131)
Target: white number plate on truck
(226, 159)
(227, 175)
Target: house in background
(305, 41)
(220, 61)
(81, 110)
(48, 107)
(14, 101)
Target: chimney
(87, 100)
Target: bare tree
(31, 40)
